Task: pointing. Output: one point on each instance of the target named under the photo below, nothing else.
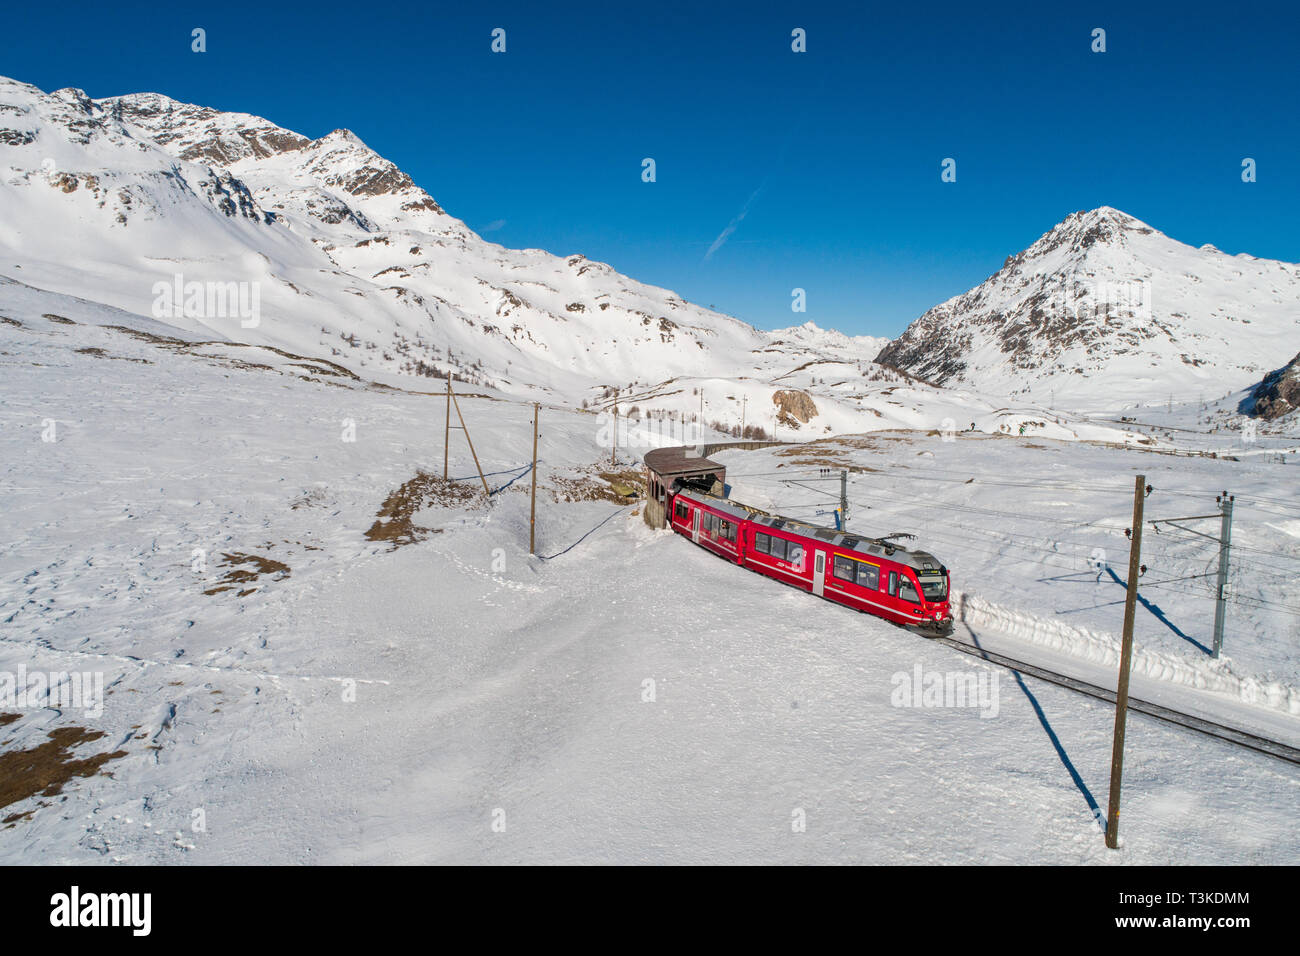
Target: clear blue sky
(834, 153)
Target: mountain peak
(1080, 231)
(342, 135)
(199, 133)
(1103, 304)
(148, 101)
(1105, 221)
(1107, 212)
(26, 87)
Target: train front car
(933, 600)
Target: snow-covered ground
(628, 699)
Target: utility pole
(1125, 664)
(1225, 543)
(744, 400)
(532, 508)
(446, 433)
(456, 403)
(613, 454)
(844, 501)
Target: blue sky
(833, 155)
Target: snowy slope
(351, 261)
(452, 700)
(1105, 311)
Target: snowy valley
(311, 648)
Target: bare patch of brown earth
(46, 768)
(394, 520)
(238, 574)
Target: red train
(868, 574)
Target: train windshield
(934, 587)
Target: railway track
(1199, 724)
(1209, 728)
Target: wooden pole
(446, 432)
(613, 454)
(532, 508)
(1125, 664)
(470, 440)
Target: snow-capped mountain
(1105, 310)
(228, 227)
(201, 218)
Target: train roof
(725, 505)
(877, 547)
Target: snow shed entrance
(667, 465)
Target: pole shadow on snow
(1093, 806)
(1077, 577)
(1159, 615)
(517, 472)
(1090, 607)
(590, 532)
(527, 468)
(1074, 577)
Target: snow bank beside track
(1102, 648)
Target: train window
(778, 548)
(729, 531)
(905, 590)
(936, 588)
(683, 512)
(893, 582)
(794, 553)
(762, 543)
(868, 576)
(843, 568)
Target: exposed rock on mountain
(794, 406)
(1103, 309)
(1277, 395)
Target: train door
(819, 573)
(695, 533)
